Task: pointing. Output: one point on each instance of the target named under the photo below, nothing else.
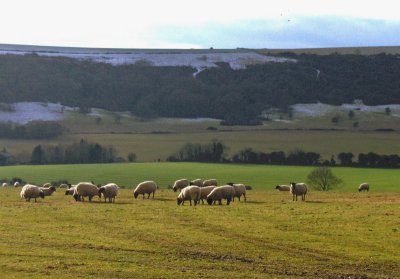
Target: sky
(282, 24)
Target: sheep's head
(277, 187)
(230, 183)
(76, 197)
(67, 192)
(135, 194)
(41, 194)
(101, 190)
(209, 201)
(190, 183)
(179, 201)
(52, 188)
(293, 184)
(175, 188)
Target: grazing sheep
(224, 192)
(298, 189)
(46, 185)
(109, 191)
(70, 190)
(63, 185)
(180, 184)
(16, 184)
(48, 191)
(240, 189)
(210, 182)
(197, 182)
(85, 189)
(282, 188)
(29, 192)
(146, 187)
(189, 193)
(204, 191)
(4, 184)
(363, 187)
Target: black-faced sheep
(210, 182)
(282, 188)
(85, 189)
(30, 191)
(188, 194)
(109, 192)
(197, 182)
(224, 192)
(298, 189)
(180, 184)
(205, 191)
(363, 187)
(48, 191)
(146, 187)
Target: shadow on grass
(255, 202)
(316, 202)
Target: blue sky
(200, 24)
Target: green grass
(328, 236)
(259, 176)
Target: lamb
(85, 189)
(29, 192)
(298, 189)
(210, 182)
(197, 182)
(189, 193)
(363, 187)
(240, 189)
(48, 191)
(146, 187)
(180, 184)
(109, 191)
(204, 191)
(282, 188)
(224, 192)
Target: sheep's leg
(153, 194)
(244, 195)
(143, 196)
(148, 195)
(220, 201)
(228, 201)
(190, 202)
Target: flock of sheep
(196, 190)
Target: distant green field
(331, 235)
(258, 176)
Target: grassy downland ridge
(259, 176)
(329, 235)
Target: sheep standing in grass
(240, 189)
(146, 187)
(85, 189)
(363, 187)
(282, 188)
(188, 194)
(29, 192)
(109, 192)
(180, 184)
(197, 182)
(224, 192)
(298, 189)
(210, 182)
(48, 191)
(16, 184)
(4, 184)
(204, 191)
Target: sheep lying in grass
(30, 191)
(146, 187)
(205, 191)
(298, 189)
(240, 189)
(363, 187)
(180, 184)
(188, 194)
(109, 192)
(210, 182)
(197, 182)
(48, 191)
(224, 192)
(85, 189)
(282, 188)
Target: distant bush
(31, 130)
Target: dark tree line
(195, 152)
(31, 130)
(236, 96)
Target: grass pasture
(333, 234)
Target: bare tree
(323, 179)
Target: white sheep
(210, 182)
(30, 191)
(240, 189)
(109, 191)
(197, 182)
(85, 189)
(46, 185)
(188, 194)
(282, 188)
(204, 191)
(48, 191)
(223, 192)
(298, 189)
(180, 184)
(4, 184)
(146, 187)
(16, 184)
(363, 187)
(63, 185)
